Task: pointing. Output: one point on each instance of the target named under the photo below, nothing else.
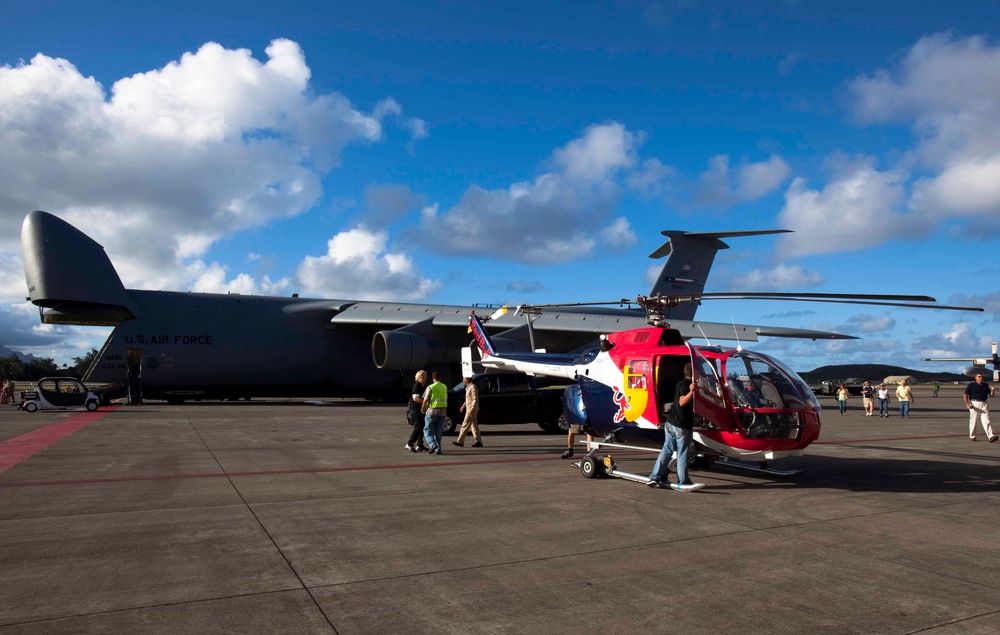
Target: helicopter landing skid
(761, 467)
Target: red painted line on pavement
(13, 451)
(358, 468)
(913, 438)
(304, 470)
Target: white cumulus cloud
(721, 186)
(358, 265)
(168, 161)
(561, 215)
(853, 211)
(945, 89)
(778, 278)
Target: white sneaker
(408, 447)
(687, 487)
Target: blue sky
(517, 152)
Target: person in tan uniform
(471, 421)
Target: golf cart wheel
(31, 406)
(91, 406)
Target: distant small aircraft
(178, 346)
(979, 363)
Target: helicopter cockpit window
(757, 382)
(808, 397)
(761, 390)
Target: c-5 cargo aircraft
(177, 346)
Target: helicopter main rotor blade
(831, 296)
(868, 302)
(907, 301)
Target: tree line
(13, 368)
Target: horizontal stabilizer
(689, 260)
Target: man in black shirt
(868, 398)
(678, 432)
(413, 416)
(976, 395)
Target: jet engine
(400, 350)
(404, 350)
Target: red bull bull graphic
(622, 402)
(483, 342)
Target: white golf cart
(58, 393)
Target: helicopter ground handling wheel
(591, 467)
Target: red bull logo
(622, 402)
(477, 332)
(633, 396)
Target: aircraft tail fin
(689, 260)
(483, 341)
(70, 276)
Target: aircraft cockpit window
(741, 392)
(708, 379)
(757, 382)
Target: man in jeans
(435, 409)
(883, 401)
(678, 433)
(905, 396)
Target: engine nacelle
(402, 350)
(399, 350)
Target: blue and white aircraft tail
(549, 364)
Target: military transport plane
(177, 346)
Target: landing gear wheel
(589, 467)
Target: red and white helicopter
(749, 407)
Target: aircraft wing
(567, 329)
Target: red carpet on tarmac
(15, 450)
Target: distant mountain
(875, 373)
(6, 352)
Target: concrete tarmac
(287, 517)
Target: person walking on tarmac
(976, 395)
(883, 401)
(905, 396)
(842, 394)
(435, 409)
(868, 398)
(471, 409)
(413, 416)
